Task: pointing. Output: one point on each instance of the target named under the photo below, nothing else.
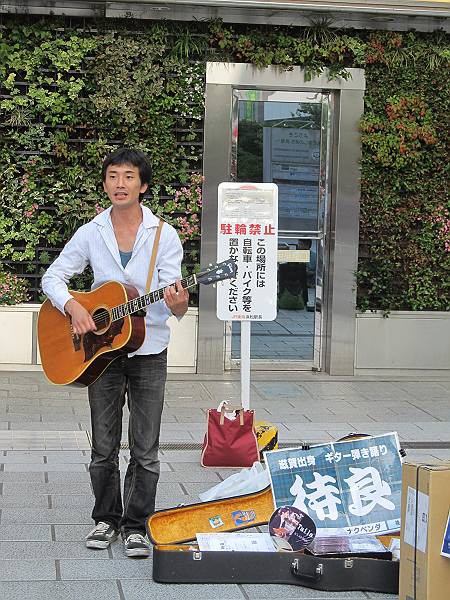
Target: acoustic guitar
(119, 314)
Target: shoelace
(100, 528)
(136, 537)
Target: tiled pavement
(45, 493)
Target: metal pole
(245, 363)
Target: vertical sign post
(248, 233)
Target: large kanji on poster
(351, 487)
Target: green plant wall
(73, 90)
(70, 93)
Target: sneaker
(101, 536)
(136, 545)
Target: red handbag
(230, 443)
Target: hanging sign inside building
(248, 233)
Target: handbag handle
(227, 408)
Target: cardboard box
(424, 573)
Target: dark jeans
(142, 379)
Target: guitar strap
(153, 258)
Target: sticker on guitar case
(216, 522)
(293, 526)
(242, 517)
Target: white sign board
(248, 233)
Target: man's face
(123, 185)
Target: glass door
(283, 137)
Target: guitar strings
(105, 315)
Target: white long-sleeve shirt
(95, 244)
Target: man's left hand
(176, 299)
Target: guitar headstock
(218, 272)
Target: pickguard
(92, 343)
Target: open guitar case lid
(176, 561)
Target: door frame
(319, 234)
(341, 253)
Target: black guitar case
(184, 564)
(175, 562)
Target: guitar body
(80, 360)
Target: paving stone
(29, 376)
(176, 427)
(21, 408)
(27, 570)
(173, 476)
(139, 589)
(36, 392)
(61, 459)
(438, 427)
(19, 387)
(14, 417)
(380, 427)
(177, 456)
(168, 418)
(60, 477)
(73, 500)
(80, 570)
(174, 500)
(72, 533)
(60, 590)
(181, 410)
(22, 458)
(48, 426)
(27, 500)
(51, 400)
(14, 550)
(192, 467)
(290, 592)
(12, 477)
(176, 436)
(50, 516)
(18, 401)
(36, 467)
(279, 388)
(169, 488)
(194, 489)
(423, 389)
(26, 533)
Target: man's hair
(129, 156)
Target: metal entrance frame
(342, 231)
(317, 235)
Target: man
(118, 244)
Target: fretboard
(133, 306)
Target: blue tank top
(125, 257)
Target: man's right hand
(82, 322)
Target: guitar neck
(137, 304)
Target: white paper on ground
(235, 542)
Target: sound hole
(102, 319)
